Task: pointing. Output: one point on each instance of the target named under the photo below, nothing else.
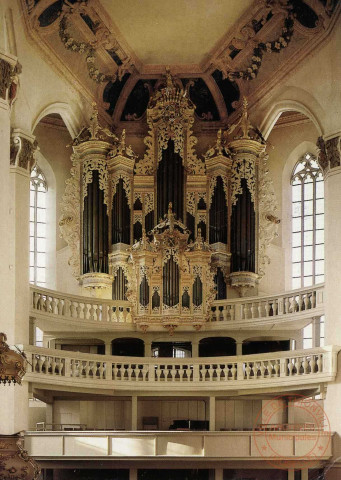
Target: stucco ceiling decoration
(233, 47)
(176, 32)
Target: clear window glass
(38, 227)
(307, 223)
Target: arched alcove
(256, 345)
(217, 347)
(127, 347)
(82, 345)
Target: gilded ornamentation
(148, 202)
(267, 208)
(217, 149)
(89, 165)
(170, 116)
(69, 223)
(126, 186)
(22, 152)
(212, 185)
(12, 364)
(15, 463)
(145, 166)
(122, 149)
(197, 271)
(242, 168)
(95, 131)
(202, 217)
(138, 217)
(191, 203)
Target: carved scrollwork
(89, 165)
(190, 203)
(145, 271)
(22, 152)
(268, 221)
(198, 271)
(145, 166)
(69, 223)
(243, 168)
(137, 217)
(126, 185)
(148, 202)
(212, 185)
(169, 252)
(202, 218)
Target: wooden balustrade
(79, 308)
(296, 303)
(318, 364)
(287, 304)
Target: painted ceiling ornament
(12, 364)
(170, 116)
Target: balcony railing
(241, 312)
(307, 301)
(303, 446)
(303, 368)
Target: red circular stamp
(291, 429)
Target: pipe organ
(169, 232)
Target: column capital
(23, 148)
(329, 151)
(10, 69)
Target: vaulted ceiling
(115, 51)
(174, 32)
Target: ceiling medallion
(12, 364)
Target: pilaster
(330, 161)
(14, 320)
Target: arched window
(38, 227)
(307, 223)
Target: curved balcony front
(57, 311)
(283, 371)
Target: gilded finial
(169, 78)
(219, 142)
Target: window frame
(37, 181)
(304, 169)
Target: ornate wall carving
(267, 209)
(89, 165)
(69, 223)
(243, 168)
(126, 185)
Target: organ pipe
(218, 214)
(120, 216)
(243, 232)
(95, 229)
(170, 182)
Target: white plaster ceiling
(174, 31)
